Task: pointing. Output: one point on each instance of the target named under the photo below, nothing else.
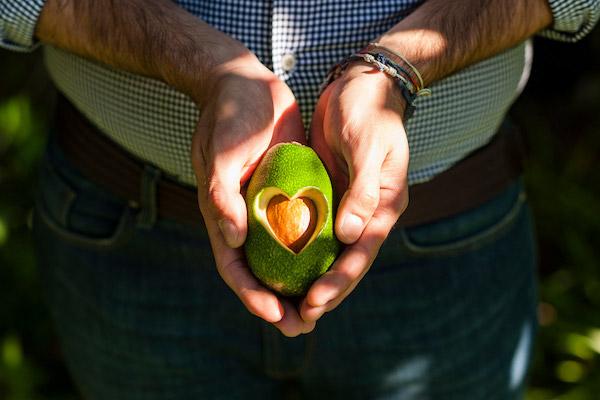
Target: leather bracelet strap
(411, 71)
(471, 182)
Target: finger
(394, 180)
(333, 287)
(288, 125)
(222, 187)
(232, 267)
(226, 204)
(356, 259)
(231, 262)
(313, 314)
(218, 180)
(319, 143)
(292, 324)
(310, 313)
(362, 197)
(317, 137)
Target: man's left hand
(358, 132)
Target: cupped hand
(358, 132)
(246, 110)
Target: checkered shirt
(299, 41)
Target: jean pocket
(78, 211)
(469, 230)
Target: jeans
(447, 311)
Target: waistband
(472, 181)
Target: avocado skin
(289, 167)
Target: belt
(470, 182)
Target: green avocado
(290, 195)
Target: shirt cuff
(573, 19)
(17, 23)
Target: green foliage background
(560, 114)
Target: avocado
(290, 240)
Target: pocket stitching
(119, 234)
(474, 241)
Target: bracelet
(397, 58)
(410, 87)
(384, 65)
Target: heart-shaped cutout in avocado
(294, 221)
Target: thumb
(362, 196)
(226, 205)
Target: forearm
(442, 37)
(155, 38)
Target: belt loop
(146, 218)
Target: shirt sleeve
(17, 23)
(573, 19)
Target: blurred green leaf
(578, 345)
(3, 232)
(12, 354)
(570, 371)
(16, 119)
(594, 340)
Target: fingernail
(229, 231)
(281, 311)
(351, 227)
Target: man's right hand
(244, 110)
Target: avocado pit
(293, 220)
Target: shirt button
(288, 62)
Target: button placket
(285, 59)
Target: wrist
(405, 75)
(194, 68)
(424, 57)
(369, 76)
(373, 81)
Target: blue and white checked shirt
(299, 40)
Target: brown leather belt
(471, 182)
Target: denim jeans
(447, 311)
